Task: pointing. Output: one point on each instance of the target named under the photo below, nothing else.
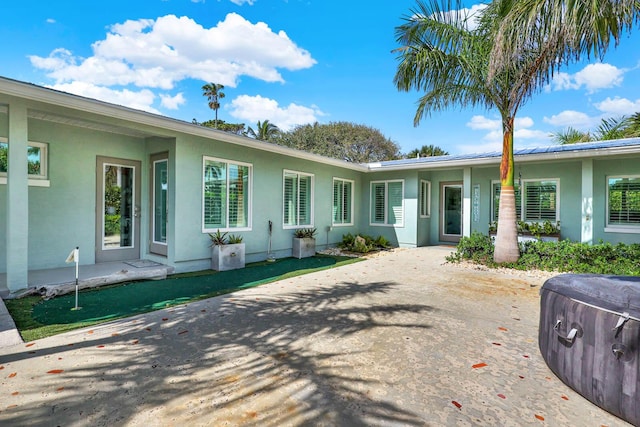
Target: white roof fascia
(51, 96)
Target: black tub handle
(570, 336)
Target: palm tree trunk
(506, 246)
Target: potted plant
(304, 242)
(227, 253)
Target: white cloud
(523, 135)
(140, 100)
(172, 102)
(618, 106)
(571, 118)
(158, 53)
(484, 123)
(252, 109)
(51, 21)
(241, 2)
(593, 77)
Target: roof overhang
(152, 124)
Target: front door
(451, 212)
(118, 209)
(159, 206)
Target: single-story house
(124, 184)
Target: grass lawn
(37, 318)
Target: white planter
(304, 247)
(522, 238)
(227, 257)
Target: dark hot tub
(590, 337)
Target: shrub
(218, 238)
(562, 256)
(363, 243)
(478, 248)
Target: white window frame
(35, 180)
(386, 223)
(286, 226)
(425, 199)
(351, 207)
(617, 228)
(523, 202)
(249, 196)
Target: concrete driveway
(398, 340)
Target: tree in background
(213, 92)
(341, 140)
(266, 131)
(426, 151)
(608, 129)
(237, 128)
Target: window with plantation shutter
(387, 203)
(623, 201)
(342, 208)
(226, 198)
(537, 201)
(297, 199)
(540, 201)
(496, 201)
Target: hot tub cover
(620, 294)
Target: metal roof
(585, 149)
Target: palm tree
(442, 55)
(266, 131)
(564, 31)
(213, 92)
(426, 151)
(571, 136)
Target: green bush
(562, 256)
(111, 225)
(363, 243)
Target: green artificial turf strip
(37, 318)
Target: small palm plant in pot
(228, 251)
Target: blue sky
(289, 61)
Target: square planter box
(304, 247)
(227, 257)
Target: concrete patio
(401, 339)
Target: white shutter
(395, 206)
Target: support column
(466, 202)
(587, 202)
(17, 200)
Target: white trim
(32, 182)
(249, 198)
(386, 203)
(133, 202)
(351, 205)
(311, 205)
(41, 179)
(623, 230)
(427, 200)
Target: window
(342, 210)
(298, 199)
(36, 161)
(226, 195)
(425, 199)
(387, 207)
(538, 201)
(623, 202)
